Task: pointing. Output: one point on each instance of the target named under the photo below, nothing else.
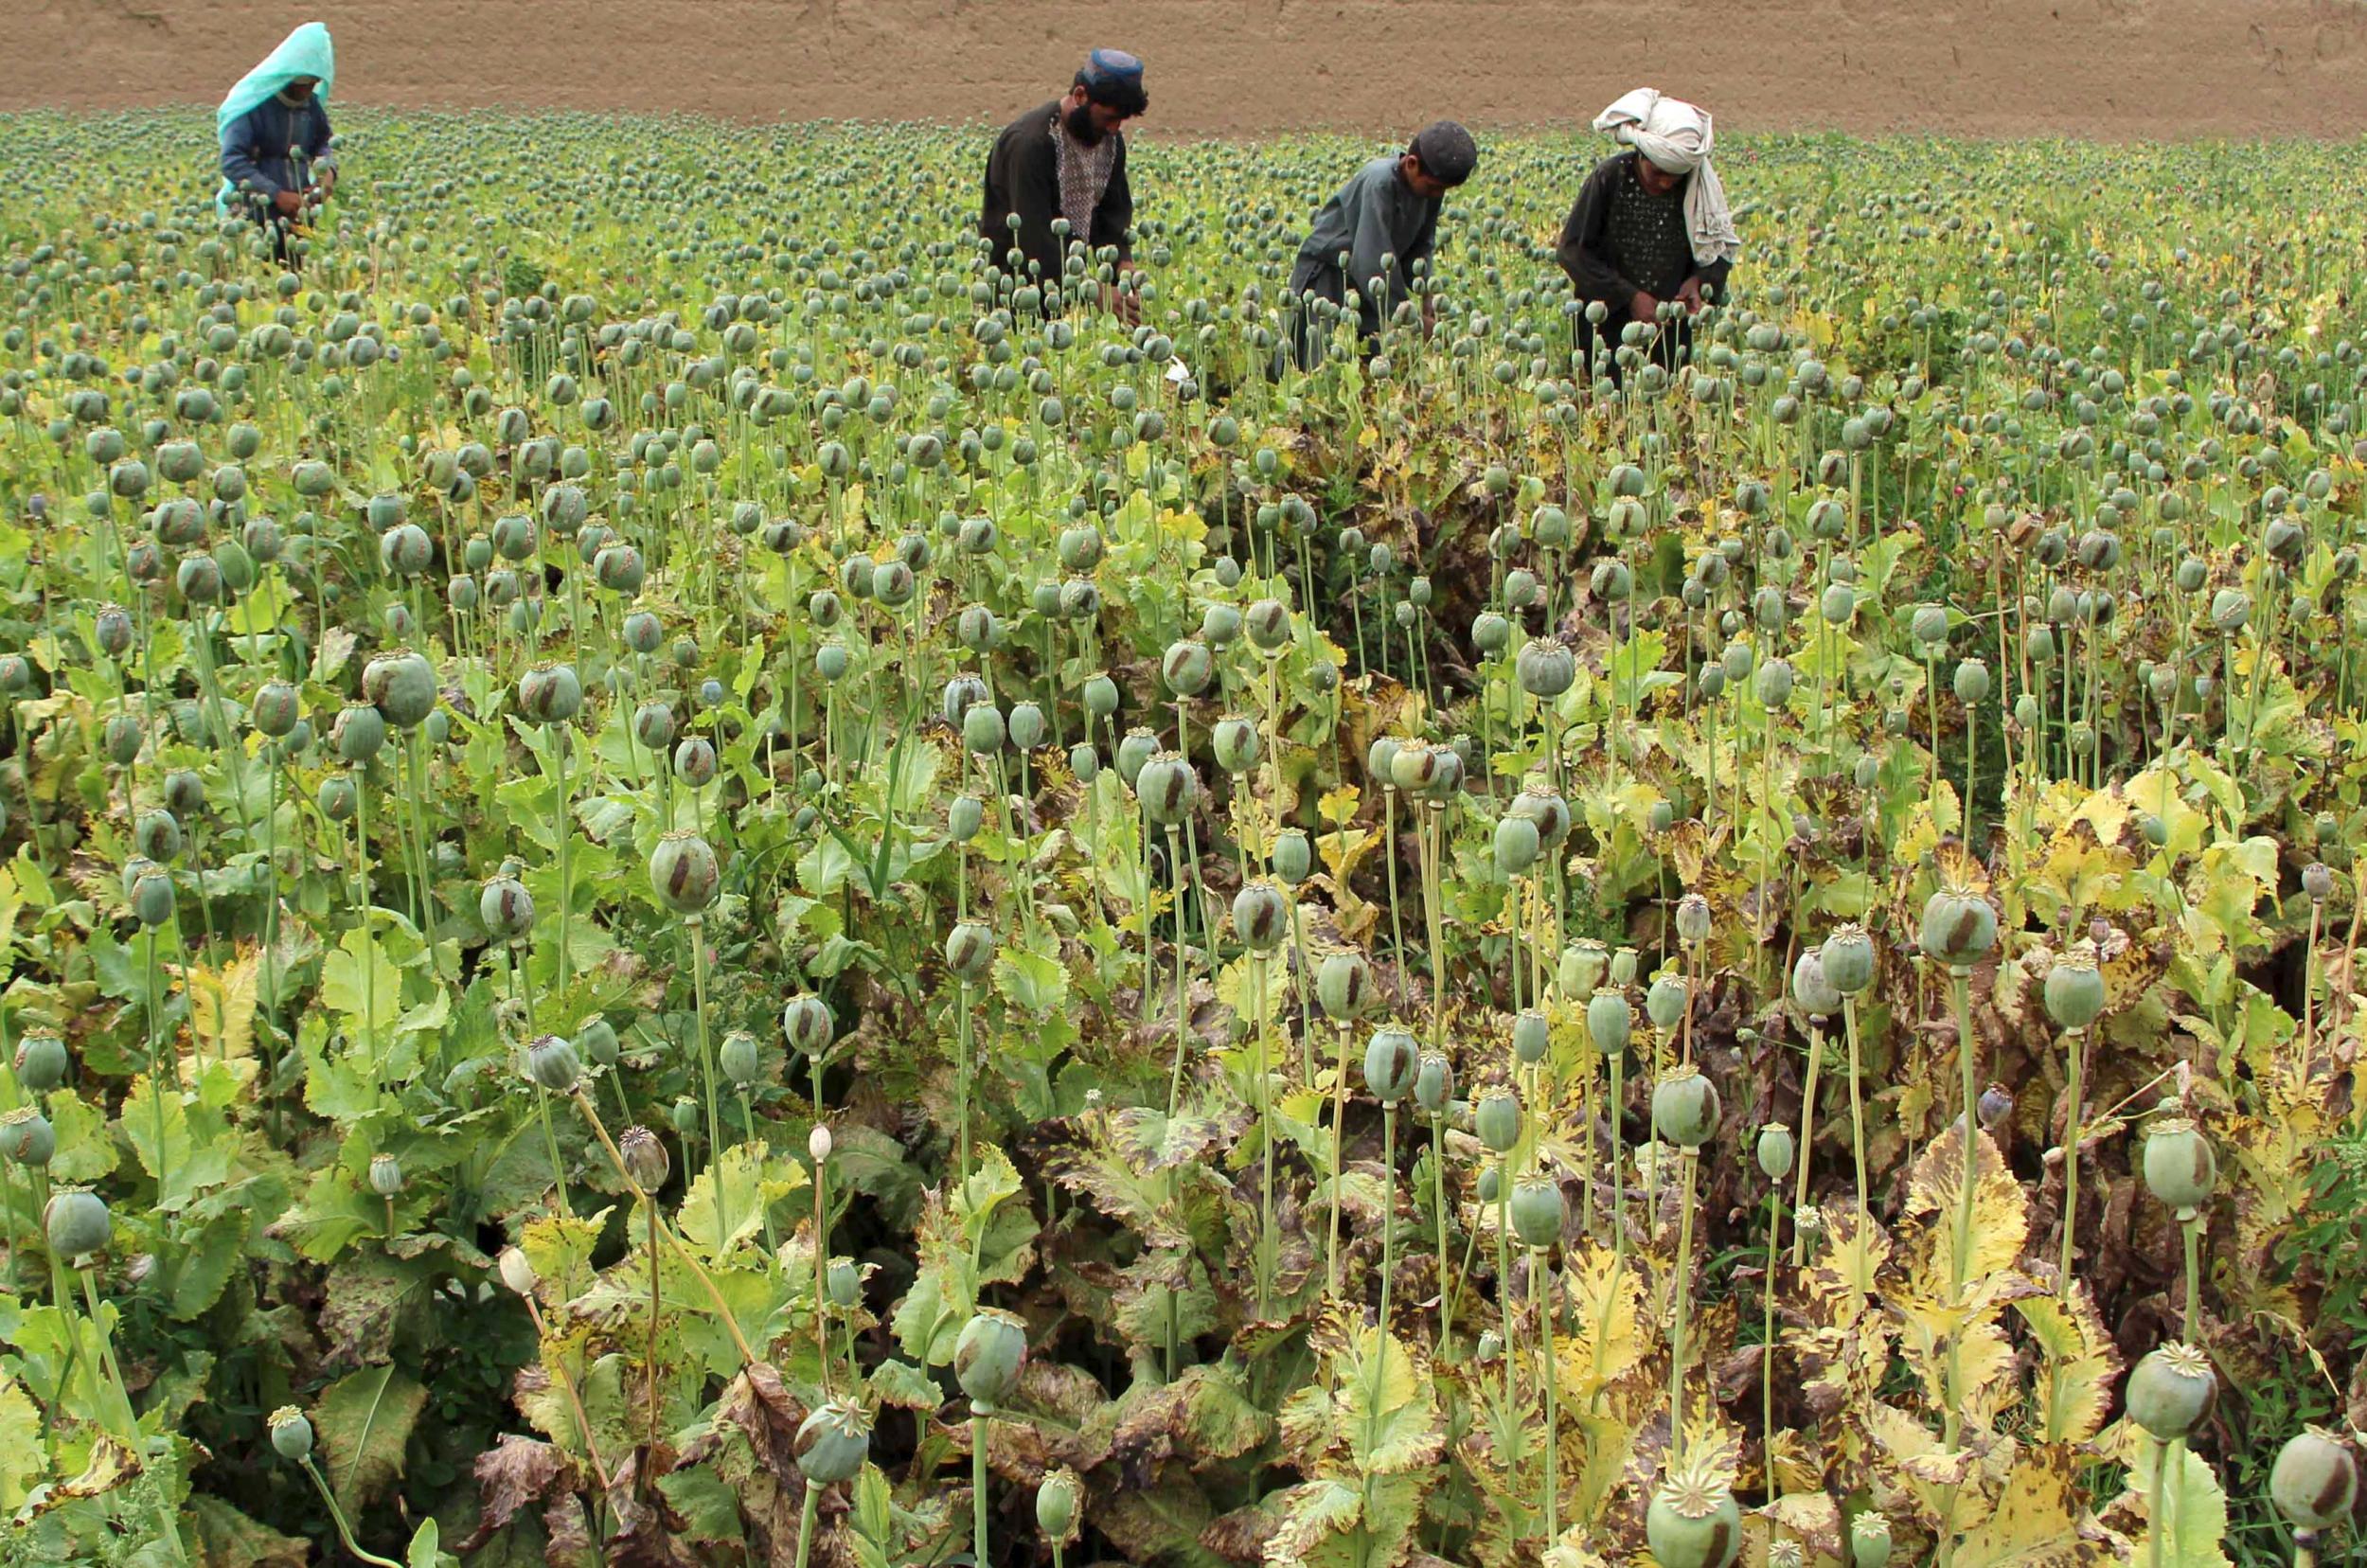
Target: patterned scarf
(1084, 175)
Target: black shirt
(1621, 240)
(1024, 177)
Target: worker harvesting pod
(1650, 227)
(273, 128)
(1374, 236)
(1057, 180)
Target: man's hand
(325, 178)
(1642, 307)
(1430, 316)
(1689, 295)
(1125, 301)
(286, 203)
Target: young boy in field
(1382, 224)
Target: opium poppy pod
(694, 761)
(1959, 927)
(1497, 1120)
(1774, 1151)
(806, 1024)
(290, 1433)
(970, 951)
(40, 1063)
(1538, 1210)
(2179, 1168)
(833, 1443)
(403, 686)
(2315, 1481)
(550, 693)
(1169, 788)
(1546, 668)
(1517, 843)
(506, 909)
(1135, 750)
(157, 835)
(26, 1138)
(552, 1064)
(1692, 1521)
(987, 1358)
(1665, 1001)
(1236, 743)
(1810, 988)
(1391, 1058)
(684, 872)
(1869, 1540)
(1532, 1037)
(1609, 1024)
(1685, 1107)
(2075, 991)
(1261, 916)
(644, 1157)
(2172, 1391)
(1187, 668)
(76, 1224)
(1057, 1498)
(1433, 1084)
(1344, 985)
(359, 734)
(1849, 959)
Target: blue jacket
(255, 147)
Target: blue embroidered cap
(1111, 67)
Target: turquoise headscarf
(304, 52)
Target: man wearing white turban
(1650, 226)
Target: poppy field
(685, 880)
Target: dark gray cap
(1446, 150)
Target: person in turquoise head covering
(275, 134)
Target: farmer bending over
(1064, 164)
(1651, 226)
(273, 129)
(1373, 235)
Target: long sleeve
(240, 164)
(1581, 252)
(1114, 218)
(317, 134)
(1714, 277)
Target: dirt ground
(2105, 69)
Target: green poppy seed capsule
(833, 1443)
(2231, 610)
(290, 1433)
(694, 761)
(405, 550)
(2317, 881)
(1414, 766)
(359, 734)
(550, 693)
(1692, 1521)
(2180, 1168)
(1664, 1002)
(1057, 1500)
(741, 1059)
(684, 1115)
(1433, 1084)
(1236, 743)
(1581, 967)
(337, 797)
(1391, 1059)
(1838, 603)
(1959, 927)
(1497, 1120)
(26, 1138)
(1169, 788)
(596, 1042)
(1084, 762)
(2075, 991)
(1774, 1151)
(1607, 1021)
(1537, 802)
(402, 686)
(1662, 816)
(1768, 609)
(843, 1281)
(1685, 1107)
(2193, 572)
(1261, 916)
(964, 817)
(276, 709)
(1521, 588)
(385, 1175)
(970, 951)
(1101, 696)
(153, 898)
(653, 726)
(1811, 987)
(1929, 626)
(1774, 682)
(40, 1063)
(1380, 759)
(157, 835)
(1532, 1037)
(77, 1222)
(1492, 634)
(983, 730)
(1545, 668)
(2314, 1483)
(506, 909)
(1537, 1211)
(684, 872)
(1186, 667)
(1869, 1541)
(1517, 845)
(1267, 624)
(113, 628)
(987, 1358)
(1294, 857)
(961, 693)
(1220, 624)
(1550, 527)
(2027, 712)
(1344, 985)
(1135, 750)
(552, 1064)
(1736, 661)
(1693, 919)
(806, 1024)
(2171, 1392)
(1622, 962)
(1972, 682)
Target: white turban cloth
(1676, 135)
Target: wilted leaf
(2075, 1382)
(363, 1420)
(2035, 1521)
(22, 1459)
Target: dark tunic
(255, 149)
(1023, 176)
(1622, 240)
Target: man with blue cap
(1057, 179)
(274, 132)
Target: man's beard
(1080, 125)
